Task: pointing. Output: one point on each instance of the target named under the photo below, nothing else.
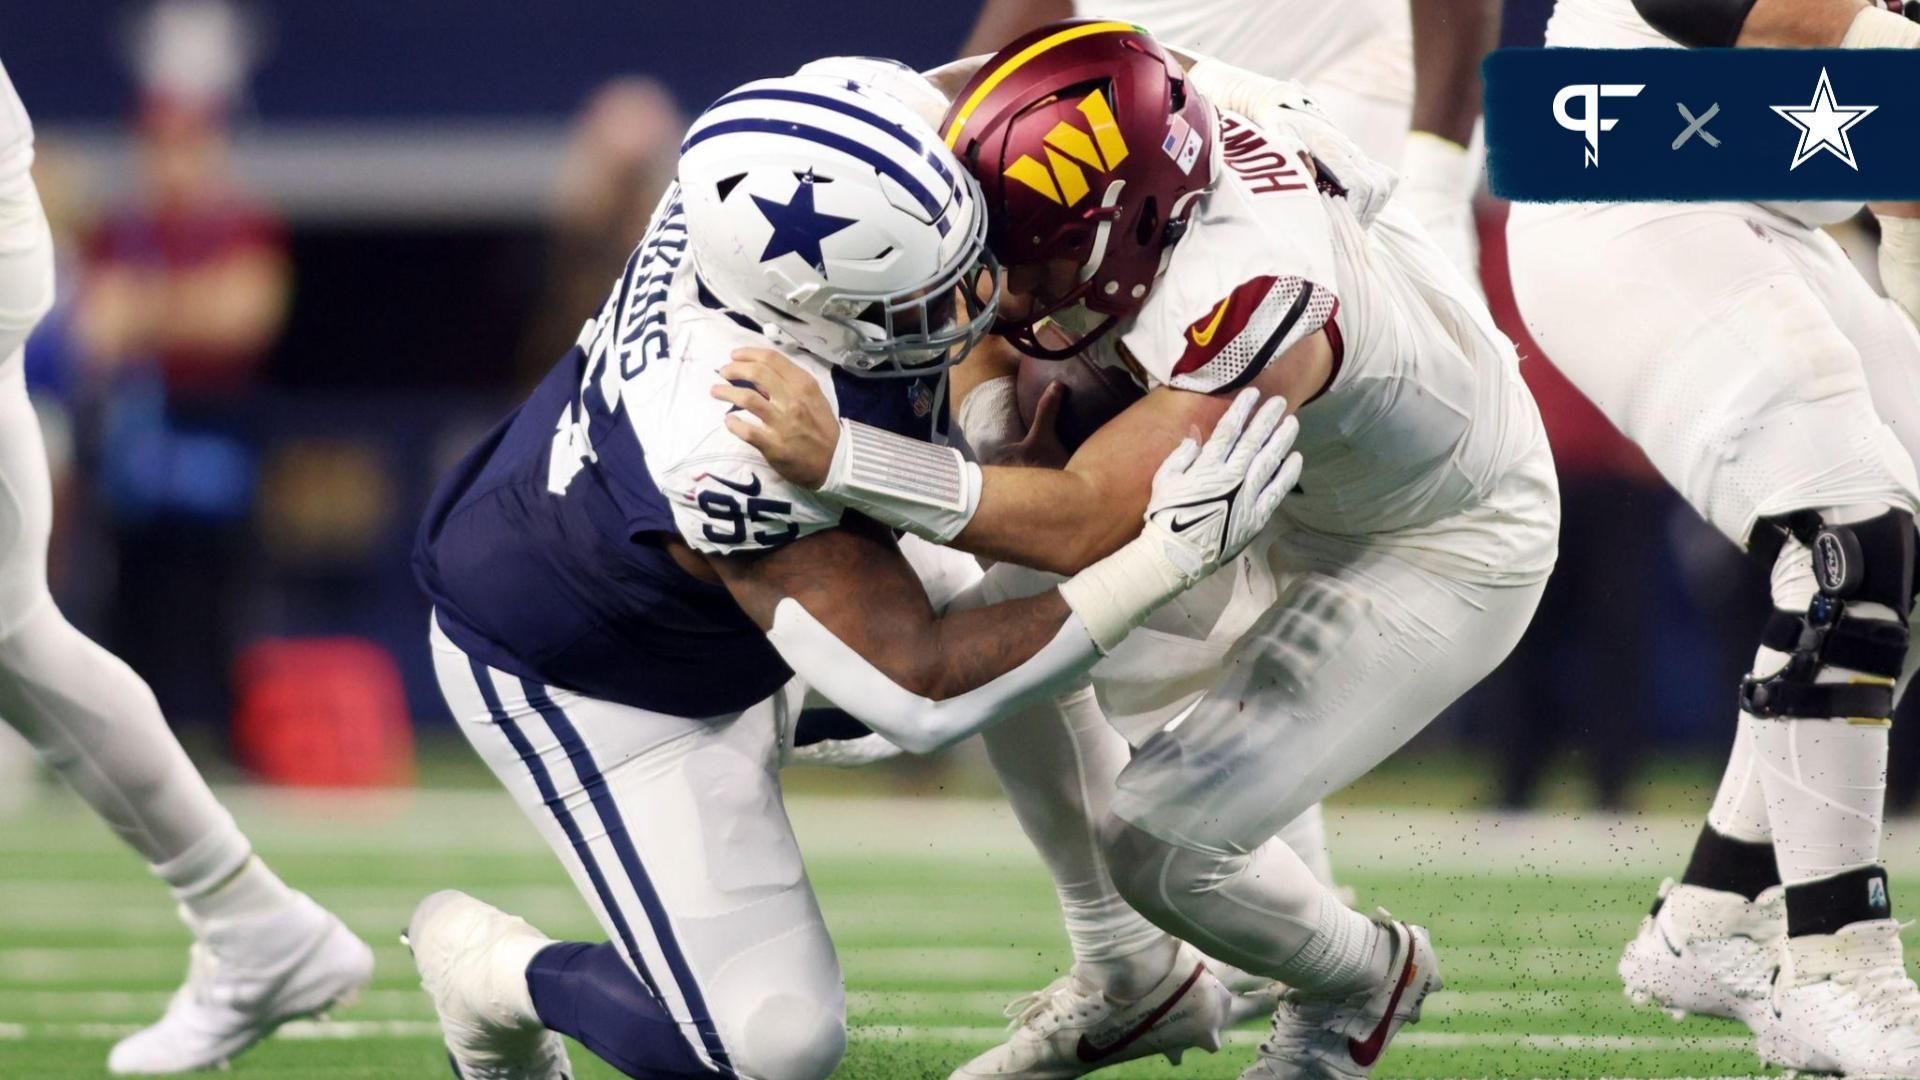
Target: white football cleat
(473, 960)
(1072, 1028)
(1843, 1003)
(1318, 1039)
(244, 979)
(1706, 952)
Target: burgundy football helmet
(1088, 145)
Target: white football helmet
(828, 212)
(890, 77)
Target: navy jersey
(543, 551)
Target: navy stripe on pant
(615, 826)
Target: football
(1095, 394)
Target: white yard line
(482, 824)
(1570, 1044)
(417, 1029)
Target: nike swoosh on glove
(1210, 501)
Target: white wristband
(1117, 593)
(930, 491)
(1877, 28)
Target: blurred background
(308, 252)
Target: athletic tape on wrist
(930, 491)
(1117, 593)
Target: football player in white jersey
(624, 592)
(1737, 345)
(1409, 104)
(1203, 250)
(263, 953)
(1398, 77)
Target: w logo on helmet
(1061, 179)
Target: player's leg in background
(1577, 314)
(95, 723)
(1057, 764)
(1710, 337)
(673, 829)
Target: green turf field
(940, 913)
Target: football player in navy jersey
(629, 604)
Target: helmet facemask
(923, 330)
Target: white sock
(1057, 763)
(1346, 952)
(94, 722)
(1131, 977)
(251, 891)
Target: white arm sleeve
(914, 723)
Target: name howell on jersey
(1264, 167)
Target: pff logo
(1589, 122)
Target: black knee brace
(1870, 561)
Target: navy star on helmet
(797, 227)
(824, 208)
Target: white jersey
(1617, 24)
(16, 131)
(1363, 45)
(1414, 441)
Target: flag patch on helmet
(1182, 144)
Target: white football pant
(674, 831)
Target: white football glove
(1272, 102)
(1209, 502)
(1900, 262)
